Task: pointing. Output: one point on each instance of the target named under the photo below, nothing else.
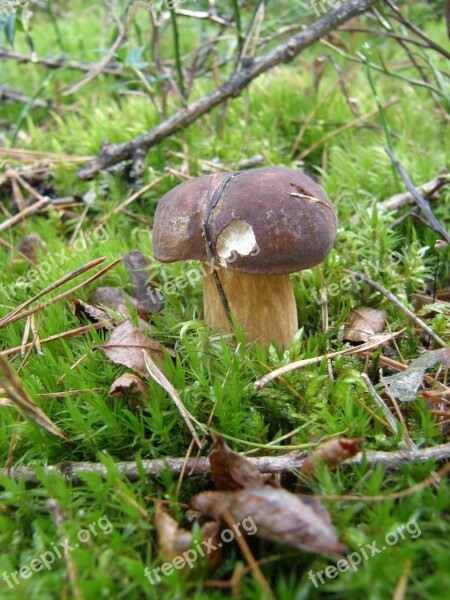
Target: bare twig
(419, 199)
(393, 298)
(12, 95)
(57, 63)
(102, 64)
(371, 345)
(398, 200)
(200, 466)
(284, 52)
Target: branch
(423, 204)
(57, 63)
(13, 95)
(398, 200)
(200, 467)
(284, 52)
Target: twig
(9, 318)
(284, 52)
(371, 345)
(58, 336)
(348, 125)
(419, 199)
(402, 19)
(12, 95)
(102, 64)
(398, 200)
(393, 298)
(200, 466)
(43, 305)
(57, 63)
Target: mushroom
(251, 229)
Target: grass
(209, 370)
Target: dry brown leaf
(125, 345)
(404, 385)
(114, 298)
(332, 453)
(138, 267)
(363, 323)
(132, 387)
(30, 244)
(82, 311)
(22, 399)
(174, 540)
(231, 470)
(278, 515)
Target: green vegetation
(210, 372)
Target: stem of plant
(176, 43)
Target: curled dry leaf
(277, 515)
(22, 399)
(30, 245)
(405, 384)
(174, 540)
(231, 470)
(132, 387)
(125, 345)
(82, 310)
(363, 323)
(332, 453)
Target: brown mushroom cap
(268, 220)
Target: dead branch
(56, 63)
(284, 52)
(398, 200)
(200, 467)
(423, 204)
(12, 95)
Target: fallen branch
(284, 52)
(398, 200)
(57, 63)
(398, 303)
(12, 95)
(265, 464)
(423, 204)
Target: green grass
(209, 370)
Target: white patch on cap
(237, 237)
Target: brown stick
(266, 464)
(398, 200)
(57, 63)
(284, 52)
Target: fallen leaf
(332, 453)
(138, 267)
(82, 310)
(174, 540)
(113, 297)
(231, 470)
(30, 244)
(363, 323)
(404, 385)
(125, 345)
(278, 516)
(22, 399)
(132, 387)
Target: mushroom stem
(263, 306)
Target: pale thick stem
(263, 305)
